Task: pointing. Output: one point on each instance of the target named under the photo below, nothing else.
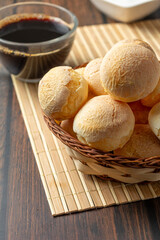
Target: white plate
(127, 10)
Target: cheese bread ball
(90, 92)
(62, 91)
(154, 119)
(92, 75)
(133, 41)
(142, 144)
(140, 112)
(104, 123)
(153, 97)
(130, 71)
(67, 125)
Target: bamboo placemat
(68, 190)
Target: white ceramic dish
(127, 10)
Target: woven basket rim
(104, 158)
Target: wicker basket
(107, 165)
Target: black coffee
(32, 29)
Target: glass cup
(29, 61)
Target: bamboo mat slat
(68, 190)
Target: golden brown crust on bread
(140, 112)
(67, 125)
(62, 91)
(154, 119)
(104, 123)
(143, 143)
(92, 75)
(130, 71)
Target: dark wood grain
(24, 210)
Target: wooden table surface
(24, 210)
